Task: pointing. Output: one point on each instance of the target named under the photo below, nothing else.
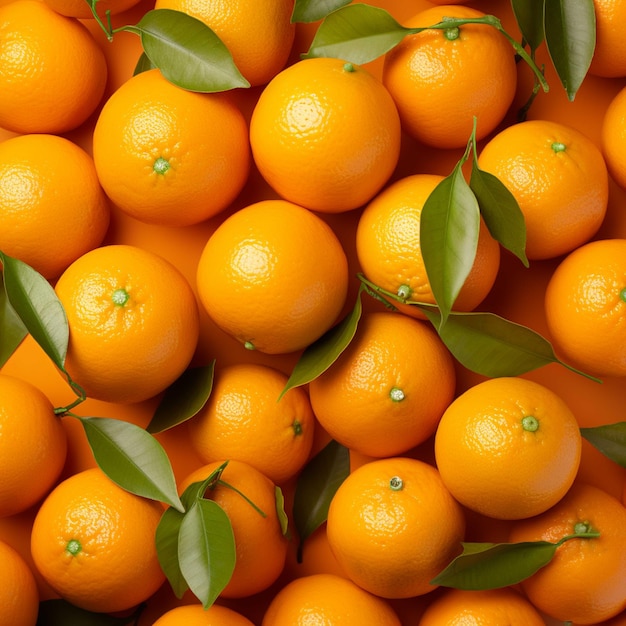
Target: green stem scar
(395, 483)
(248, 345)
(161, 165)
(622, 294)
(530, 423)
(120, 297)
(396, 394)
(73, 547)
(404, 292)
(297, 427)
(558, 146)
(348, 67)
(583, 528)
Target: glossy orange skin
(197, 615)
(19, 597)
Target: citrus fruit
(609, 54)
(52, 71)
(52, 208)
(327, 599)
(393, 526)
(133, 322)
(325, 134)
(458, 607)
(388, 245)
(441, 79)
(169, 156)
(558, 177)
(197, 615)
(19, 596)
(585, 306)
(388, 389)
(508, 448)
(258, 33)
(94, 543)
(274, 276)
(583, 583)
(82, 9)
(613, 136)
(249, 499)
(244, 419)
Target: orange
(387, 391)
(82, 8)
(508, 448)
(609, 55)
(494, 607)
(585, 306)
(558, 177)
(52, 208)
(258, 33)
(327, 599)
(52, 71)
(584, 582)
(133, 322)
(33, 445)
(325, 134)
(613, 136)
(197, 615)
(388, 245)
(19, 597)
(93, 543)
(244, 420)
(261, 547)
(274, 276)
(441, 79)
(169, 156)
(393, 526)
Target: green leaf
(316, 485)
(321, 354)
(56, 611)
(358, 33)
(449, 228)
(280, 510)
(529, 17)
(36, 304)
(144, 64)
(308, 11)
(132, 458)
(167, 550)
(188, 53)
(610, 439)
(206, 550)
(501, 212)
(183, 398)
(12, 331)
(570, 30)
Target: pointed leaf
(449, 227)
(570, 30)
(188, 53)
(529, 17)
(206, 550)
(36, 304)
(183, 398)
(12, 331)
(143, 64)
(132, 458)
(358, 33)
(280, 510)
(57, 611)
(610, 439)
(312, 10)
(316, 485)
(167, 549)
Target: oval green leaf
(316, 485)
(188, 53)
(57, 611)
(12, 331)
(570, 31)
(280, 510)
(166, 539)
(132, 458)
(183, 398)
(144, 64)
(36, 304)
(610, 439)
(529, 17)
(308, 11)
(206, 550)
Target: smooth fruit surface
(197, 615)
(19, 596)
(613, 135)
(609, 55)
(82, 9)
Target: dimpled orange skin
(273, 274)
(82, 9)
(613, 137)
(197, 615)
(52, 72)
(609, 55)
(19, 596)
(325, 134)
(114, 566)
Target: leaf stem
(78, 390)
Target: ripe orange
(260, 544)
(388, 245)
(169, 156)
(258, 33)
(33, 445)
(508, 448)
(244, 420)
(327, 599)
(52, 208)
(197, 615)
(82, 9)
(584, 582)
(19, 596)
(93, 543)
(52, 71)
(393, 526)
(457, 607)
(613, 137)
(585, 306)
(609, 55)
(133, 322)
(442, 79)
(274, 276)
(325, 134)
(559, 179)
(387, 391)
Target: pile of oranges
(230, 234)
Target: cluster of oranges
(180, 228)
